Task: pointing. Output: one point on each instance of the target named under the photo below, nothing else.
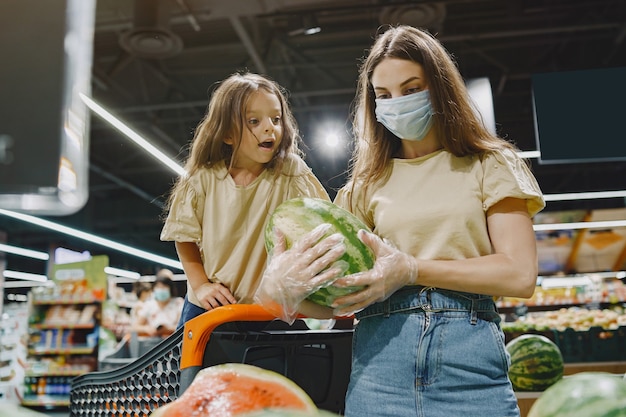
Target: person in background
(160, 314)
(245, 160)
(451, 207)
(143, 291)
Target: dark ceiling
(156, 60)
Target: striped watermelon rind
(585, 394)
(536, 362)
(296, 217)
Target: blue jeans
(430, 353)
(190, 311)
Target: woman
(450, 205)
(455, 204)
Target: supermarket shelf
(65, 301)
(76, 350)
(45, 326)
(46, 401)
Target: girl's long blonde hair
(225, 118)
(460, 130)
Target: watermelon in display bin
(586, 394)
(298, 216)
(536, 362)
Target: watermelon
(234, 389)
(536, 362)
(298, 216)
(278, 412)
(586, 394)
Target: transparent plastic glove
(294, 274)
(392, 270)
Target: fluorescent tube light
(26, 284)
(580, 225)
(24, 275)
(529, 154)
(122, 272)
(24, 252)
(591, 195)
(132, 135)
(92, 238)
(44, 257)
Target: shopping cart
(317, 360)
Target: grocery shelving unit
(63, 343)
(63, 331)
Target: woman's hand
(294, 274)
(392, 270)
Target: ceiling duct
(428, 16)
(150, 37)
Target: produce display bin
(317, 360)
(593, 345)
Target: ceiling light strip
(122, 272)
(27, 284)
(529, 154)
(24, 252)
(92, 238)
(585, 195)
(580, 225)
(24, 275)
(132, 135)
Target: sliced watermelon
(233, 389)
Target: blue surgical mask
(161, 294)
(408, 117)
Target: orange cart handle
(198, 330)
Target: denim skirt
(426, 352)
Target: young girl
(245, 160)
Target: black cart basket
(317, 360)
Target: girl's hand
(294, 274)
(392, 270)
(212, 295)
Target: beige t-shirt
(227, 221)
(434, 207)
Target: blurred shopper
(159, 315)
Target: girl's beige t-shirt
(434, 207)
(227, 221)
